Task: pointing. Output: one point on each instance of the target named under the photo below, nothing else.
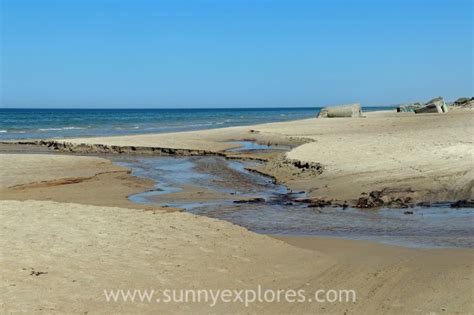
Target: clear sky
(229, 53)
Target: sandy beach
(84, 250)
(236, 157)
(67, 223)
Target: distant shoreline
(180, 108)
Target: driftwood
(349, 110)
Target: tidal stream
(214, 187)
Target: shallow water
(438, 226)
(253, 146)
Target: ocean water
(60, 123)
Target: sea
(66, 123)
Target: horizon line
(180, 108)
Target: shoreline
(433, 173)
(313, 110)
(345, 247)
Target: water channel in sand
(212, 186)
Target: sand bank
(86, 180)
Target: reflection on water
(426, 227)
(254, 146)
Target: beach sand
(80, 250)
(63, 243)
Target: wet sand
(85, 180)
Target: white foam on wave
(63, 128)
(3, 131)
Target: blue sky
(119, 53)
